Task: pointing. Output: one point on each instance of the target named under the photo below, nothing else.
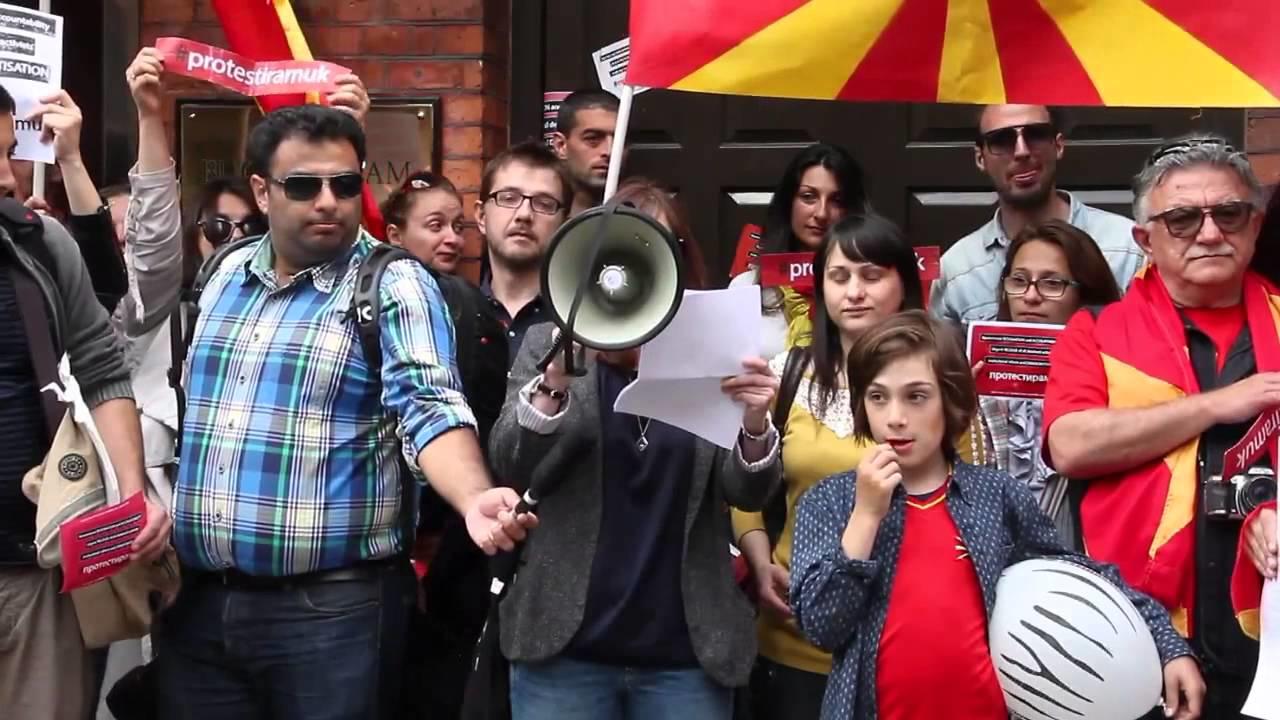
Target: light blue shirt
(967, 289)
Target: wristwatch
(554, 394)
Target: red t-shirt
(934, 659)
(1222, 325)
(1077, 380)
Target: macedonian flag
(1063, 52)
(268, 30)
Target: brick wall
(456, 49)
(1262, 140)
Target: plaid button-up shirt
(288, 461)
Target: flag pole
(37, 168)
(619, 142)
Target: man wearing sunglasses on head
(1018, 147)
(294, 513)
(1146, 396)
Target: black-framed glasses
(1048, 287)
(513, 199)
(218, 229)
(1180, 146)
(1185, 222)
(302, 187)
(1004, 141)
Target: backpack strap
(182, 321)
(366, 308)
(464, 310)
(775, 508)
(27, 230)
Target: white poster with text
(30, 68)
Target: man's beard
(1030, 201)
(516, 263)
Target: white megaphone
(612, 279)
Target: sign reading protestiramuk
(244, 75)
(30, 68)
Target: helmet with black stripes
(1068, 645)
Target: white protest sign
(611, 66)
(30, 67)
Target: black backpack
(481, 344)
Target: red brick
(473, 75)
(334, 40)
(389, 40)
(204, 11)
(462, 142)
(312, 11)
(462, 109)
(495, 111)
(179, 11)
(435, 9)
(1263, 134)
(495, 140)
(424, 75)
(464, 174)
(370, 71)
(209, 33)
(1267, 167)
(456, 39)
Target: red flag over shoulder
(268, 30)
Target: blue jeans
(564, 689)
(319, 651)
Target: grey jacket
(81, 328)
(545, 605)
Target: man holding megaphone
(625, 603)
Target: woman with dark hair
(820, 186)
(224, 212)
(658, 202)
(625, 603)
(865, 272)
(424, 216)
(1051, 270)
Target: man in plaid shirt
(288, 509)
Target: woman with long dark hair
(865, 272)
(820, 186)
(625, 603)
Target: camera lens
(1254, 492)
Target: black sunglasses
(301, 188)
(1004, 141)
(1185, 222)
(219, 228)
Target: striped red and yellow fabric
(269, 30)
(1147, 53)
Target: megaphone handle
(575, 356)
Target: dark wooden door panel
(724, 154)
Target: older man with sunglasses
(1018, 147)
(1146, 396)
(294, 506)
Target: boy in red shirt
(899, 585)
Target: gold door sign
(402, 136)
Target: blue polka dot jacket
(840, 604)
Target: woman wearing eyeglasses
(1052, 270)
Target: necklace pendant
(642, 443)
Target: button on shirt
(526, 317)
(288, 459)
(968, 288)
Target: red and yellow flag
(1147, 53)
(268, 30)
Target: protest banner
(96, 545)
(1262, 436)
(30, 68)
(1015, 357)
(796, 269)
(243, 75)
(929, 263)
(551, 113)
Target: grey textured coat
(544, 608)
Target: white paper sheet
(611, 63)
(30, 67)
(1264, 697)
(678, 382)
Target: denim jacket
(967, 288)
(841, 604)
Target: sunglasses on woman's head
(219, 228)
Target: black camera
(1235, 498)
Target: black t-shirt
(22, 426)
(635, 608)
